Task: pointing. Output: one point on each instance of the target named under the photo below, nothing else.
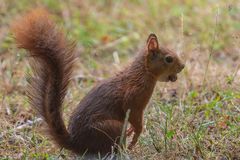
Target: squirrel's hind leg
(107, 135)
(102, 137)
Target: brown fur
(96, 124)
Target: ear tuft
(152, 42)
(151, 35)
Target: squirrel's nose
(182, 66)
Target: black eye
(168, 59)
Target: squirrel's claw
(129, 131)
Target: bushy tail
(52, 64)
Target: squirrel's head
(161, 62)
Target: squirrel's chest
(138, 97)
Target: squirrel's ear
(152, 42)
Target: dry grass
(198, 117)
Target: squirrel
(97, 122)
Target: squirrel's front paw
(129, 131)
(133, 142)
(130, 146)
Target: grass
(197, 117)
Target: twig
(215, 35)
(28, 123)
(235, 73)
(123, 135)
(84, 77)
(115, 42)
(23, 126)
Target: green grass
(198, 117)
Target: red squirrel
(96, 124)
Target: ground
(197, 117)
